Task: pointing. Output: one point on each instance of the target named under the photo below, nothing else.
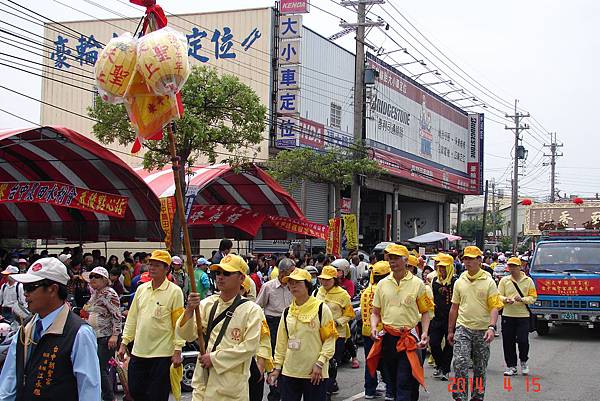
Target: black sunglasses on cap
(30, 287)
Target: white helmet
(4, 330)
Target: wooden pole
(176, 162)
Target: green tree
(223, 119)
(472, 228)
(334, 166)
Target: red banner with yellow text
(243, 219)
(334, 239)
(167, 214)
(568, 286)
(60, 194)
(298, 226)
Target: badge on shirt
(236, 335)
(294, 344)
(480, 294)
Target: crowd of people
(282, 318)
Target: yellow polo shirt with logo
(475, 300)
(402, 303)
(507, 290)
(151, 320)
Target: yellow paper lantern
(163, 61)
(115, 68)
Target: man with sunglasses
(472, 325)
(232, 329)
(150, 325)
(54, 355)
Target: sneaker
(524, 368)
(389, 398)
(512, 371)
(371, 396)
(444, 377)
(437, 373)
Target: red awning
(251, 188)
(61, 155)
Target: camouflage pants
(469, 344)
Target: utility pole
(519, 154)
(359, 87)
(553, 155)
(494, 208)
(484, 220)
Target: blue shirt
(84, 358)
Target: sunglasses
(30, 287)
(92, 276)
(224, 273)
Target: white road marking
(355, 397)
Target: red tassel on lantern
(578, 201)
(526, 202)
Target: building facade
(431, 150)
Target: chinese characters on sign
(59, 194)
(568, 286)
(552, 216)
(220, 43)
(288, 82)
(167, 214)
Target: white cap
(96, 270)
(22, 260)
(64, 257)
(501, 258)
(45, 269)
(10, 270)
(176, 260)
(341, 264)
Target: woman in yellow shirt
(515, 316)
(305, 343)
(338, 301)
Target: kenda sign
(293, 6)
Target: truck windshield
(573, 257)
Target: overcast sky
(545, 53)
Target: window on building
(335, 117)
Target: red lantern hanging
(526, 202)
(578, 201)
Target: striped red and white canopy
(59, 154)
(251, 188)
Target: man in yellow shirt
(472, 325)
(379, 271)
(232, 330)
(516, 291)
(400, 302)
(150, 325)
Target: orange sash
(406, 343)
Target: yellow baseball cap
(328, 273)
(514, 261)
(161, 256)
(395, 249)
(443, 259)
(381, 268)
(413, 261)
(231, 263)
(472, 252)
(299, 275)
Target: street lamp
(452, 91)
(448, 81)
(417, 76)
(423, 63)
